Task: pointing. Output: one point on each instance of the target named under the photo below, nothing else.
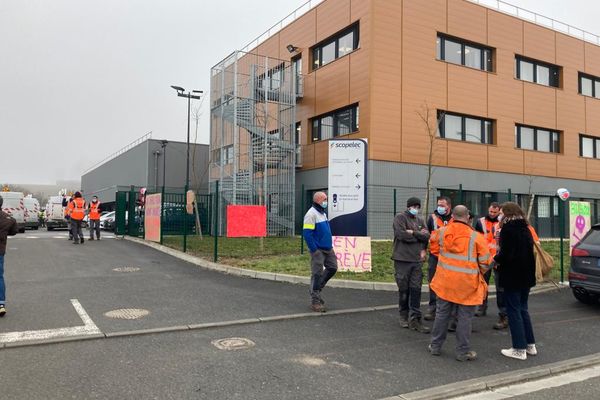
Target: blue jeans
(521, 330)
(2, 287)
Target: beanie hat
(413, 201)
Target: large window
(465, 128)
(337, 123)
(297, 70)
(537, 72)
(336, 46)
(589, 85)
(538, 139)
(458, 51)
(589, 146)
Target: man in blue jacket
(323, 263)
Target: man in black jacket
(8, 227)
(410, 243)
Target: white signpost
(347, 193)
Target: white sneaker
(514, 353)
(531, 350)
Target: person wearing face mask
(488, 226)
(410, 241)
(323, 262)
(441, 217)
(94, 218)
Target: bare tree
(427, 114)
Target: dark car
(584, 275)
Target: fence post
(216, 225)
(561, 229)
(162, 213)
(302, 198)
(394, 202)
(509, 194)
(185, 218)
(460, 194)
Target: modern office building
(512, 98)
(147, 163)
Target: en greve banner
(347, 187)
(152, 214)
(353, 253)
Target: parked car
(107, 219)
(584, 275)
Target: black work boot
(416, 325)
(429, 315)
(403, 321)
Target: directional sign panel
(347, 194)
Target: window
(537, 72)
(274, 79)
(538, 139)
(227, 154)
(297, 70)
(589, 85)
(465, 128)
(458, 51)
(337, 123)
(337, 46)
(589, 146)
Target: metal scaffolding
(252, 139)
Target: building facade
(513, 106)
(143, 164)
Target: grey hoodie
(407, 247)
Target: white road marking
(508, 392)
(89, 328)
(31, 237)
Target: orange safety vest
(67, 210)
(438, 222)
(533, 234)
(489, 233)
(95, 211)
(77, 209)
(462, 251)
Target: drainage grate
(233, 343)
(127, 313)
(126, 269)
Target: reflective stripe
(468, 271)
(483, 258)
(483, 225)
(308, 226)
(472, 245)
(454, 256)
(441, 239)
(435, 225)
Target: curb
(492, 382)
(270, 276)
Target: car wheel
(50, 228)
(583, 296)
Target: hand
(409, 231)
(424, 230)
(423, 254)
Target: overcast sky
(79, 79)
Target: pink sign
(353, 253)
(152, 213)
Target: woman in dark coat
(516, 273)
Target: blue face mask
(413, 211)
(441, 210)
(324, 204)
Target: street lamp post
(163, 145)
(190, 96)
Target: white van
(55, 216)
(15, 207)
(32, 210)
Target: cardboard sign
(246, 221)
(152, 214)
(579, 221)
(353, 253)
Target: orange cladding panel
(302, 34)
(539, 163)
(539, 43)
(467, 90)
(539, 105)
(592, 59)
(467, 155)
(460, 11)
(592, 116)
(332, 16)
(333, 85)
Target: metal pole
(395, 202)
(561, 226)
(216, 224)
(187, 176)
(164, 168)
(302, 198)
(509, 194)
(460, 194)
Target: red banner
(246, 221)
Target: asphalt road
(348, 356)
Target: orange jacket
(77, 209)
(463, 257)
(437, 222)
(95, 211)
(67, 210)
(489, 233)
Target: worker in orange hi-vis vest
(438, 219)
(94, 217)
(488, 226)
(77, 212)
(463, 258)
